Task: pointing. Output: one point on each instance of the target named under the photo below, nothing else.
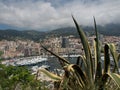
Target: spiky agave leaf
(95, 60)
(78, 60)
(89, 63)
(118, 57)
(106, 68)
(49, 74)
(76, 77)
(107, 72)
(106, 59)
(80, 73)
(82, 58)
(98, 67)
(60, 58)
(113, 76)
(115, 56)
(111, 48)
(70, 80)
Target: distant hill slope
(110, 29)
(14, 34)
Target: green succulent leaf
(115, 77)
(89, 63)
(51, 75)
(91, 78)
(97, 53)
(82, 58)
(106, 59)
(115, 56)
(106, 66)
(60, 58)
(77, 74)
(80, 72)
(78, 60)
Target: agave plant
(92, 77)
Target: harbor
(51, 63)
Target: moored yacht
(31, 61)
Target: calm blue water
(53, 62)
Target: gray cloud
(51, 14)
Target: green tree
(17, 77)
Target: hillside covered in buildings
(60, 45)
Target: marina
(33, 63)
(47, 62)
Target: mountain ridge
(10, 34)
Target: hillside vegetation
(110, 29)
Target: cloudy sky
(52, 14)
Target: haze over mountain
(46, 15)
(110, 29)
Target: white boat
(35, 68)
(30, 61)
(44, 66)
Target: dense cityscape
(58, 45)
